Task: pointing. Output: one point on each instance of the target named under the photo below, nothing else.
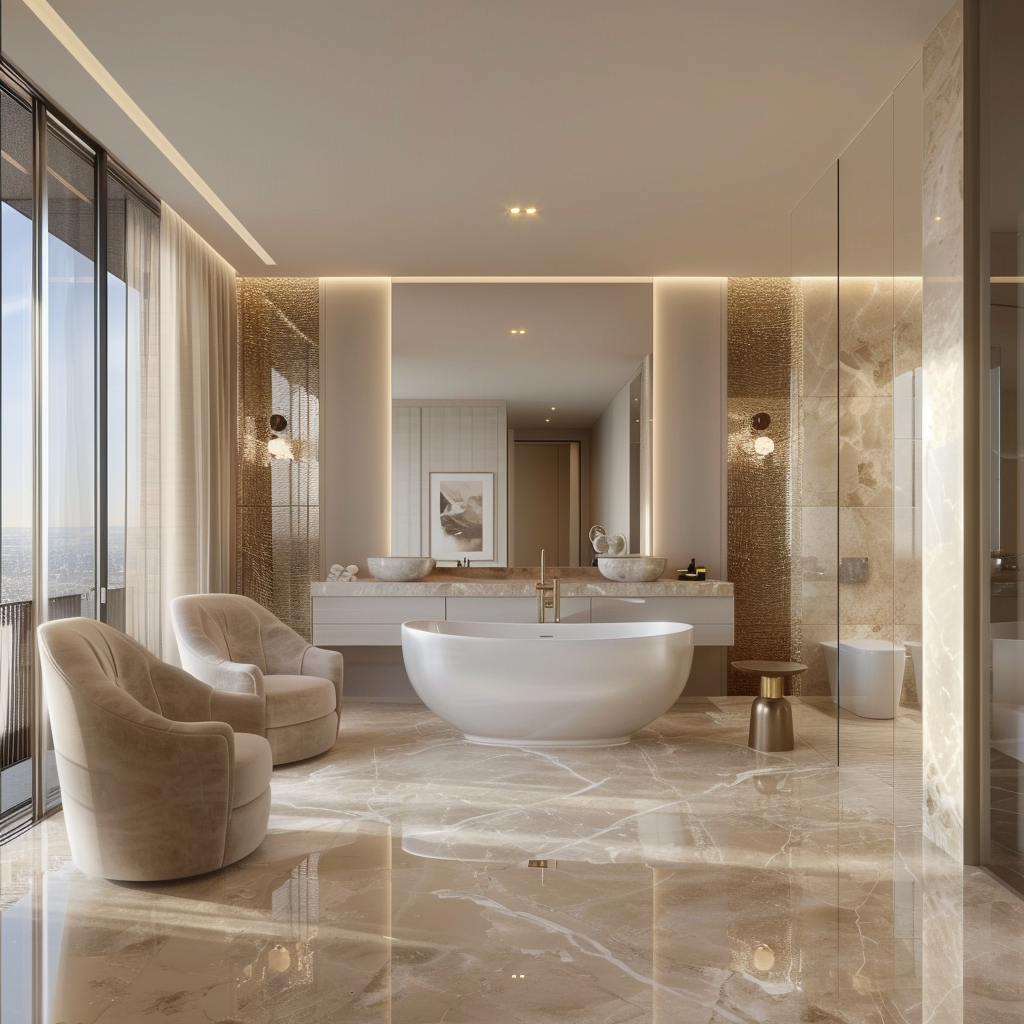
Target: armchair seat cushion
(295, 699)
(253, 768)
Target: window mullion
(102, 503)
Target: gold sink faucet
(548, 595)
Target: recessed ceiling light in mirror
(518, 330)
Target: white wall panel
(457, 436)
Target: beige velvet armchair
(233, 643)
(161, 776)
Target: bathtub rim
(566, 631)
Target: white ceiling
(582, 344)
(657, 137)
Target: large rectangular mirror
(540, 392)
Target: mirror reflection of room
(527, 402)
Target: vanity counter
(570, 586)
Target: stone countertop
(571, 586)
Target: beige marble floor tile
(683, 877)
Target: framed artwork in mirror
(462, 516)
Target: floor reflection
(681, 878)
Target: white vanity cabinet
(371, 614)
(511, 609)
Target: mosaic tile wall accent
(278, 498)
(764, 332)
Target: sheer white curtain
(197, 418)
(143, 608)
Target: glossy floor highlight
(411, 877)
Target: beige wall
(689, 422)
(355, 421)
(689, 441)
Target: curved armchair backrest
(231, 627)
(106, 672)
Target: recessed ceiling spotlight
(515, 211)
(552, 408)
(518, 330)
(547, 421)
(531, 210)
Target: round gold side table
(771, 717)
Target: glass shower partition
(815, 474)
(1003, 297)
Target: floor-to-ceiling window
(16, 412)
(79, 299)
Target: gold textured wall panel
(278, 498)
(764, 339)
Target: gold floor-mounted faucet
(548, 596)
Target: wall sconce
(763, 446)
(278, 447)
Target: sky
(69, 367)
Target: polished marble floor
(411, 877)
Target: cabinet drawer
(357, 634)
(512, 609)
(662, 609)
(711, 617)
(376, 609)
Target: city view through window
(52, 453)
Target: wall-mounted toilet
(871, 675)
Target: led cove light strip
(60, 29)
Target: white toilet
(871, 679)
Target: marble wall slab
(865, 336)
(866, 452)
(943, 428)
(867, 532)
(817, 480)
(819, 300)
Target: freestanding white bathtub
(564, 684)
